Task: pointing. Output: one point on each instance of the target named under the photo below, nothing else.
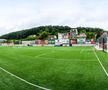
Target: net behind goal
(102, 42)
(106, 45)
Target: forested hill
(53, 30)
(49, 30)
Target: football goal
(102, 42)
(106, 45)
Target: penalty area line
(21, 79)
(100, 63)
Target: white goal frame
(107, 46)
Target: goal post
(99, 44)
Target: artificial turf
(56, 68)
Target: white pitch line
(43, 54)
(67, 59)
(81, 51)
(100, 63)
(43, 88)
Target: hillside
(43, 31)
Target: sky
(17, 15)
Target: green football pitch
(54, 68)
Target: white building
(63, 39)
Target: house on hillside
(32, 36)
(63, 39)
(73, 33)
(63, 35)
(52, 37)
(81, 38)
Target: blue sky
(21, 14)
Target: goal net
(105, 48)
(102, 42)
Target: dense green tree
(42, 32)
(53, 30)
(43, 35)
(91, 35)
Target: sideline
(43, 88)
(100, 63)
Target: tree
(53, 30)
(43, 35)
(91, 35)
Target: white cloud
(18, 15)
